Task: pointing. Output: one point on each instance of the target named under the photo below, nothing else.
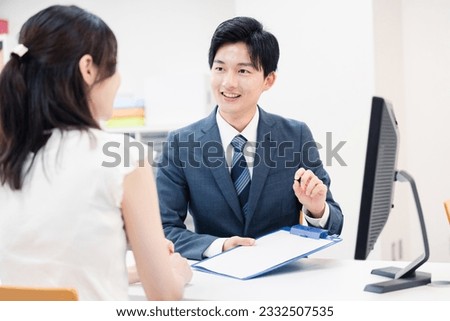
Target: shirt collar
(228, 132)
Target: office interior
(335, 55)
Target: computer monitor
(380, 175)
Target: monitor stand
(405, 282)
(407, 277)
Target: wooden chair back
(19, 293)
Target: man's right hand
(236, 241)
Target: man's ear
(88, 69)
(270, 80)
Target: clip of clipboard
(270, 252)
(309, 231)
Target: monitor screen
(380, 175)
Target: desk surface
(312, 279)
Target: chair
(447, 209)
(15, 293)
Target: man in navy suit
(286, 173)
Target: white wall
(426, 43)
(412, 49)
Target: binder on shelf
(127, 112)
(125, 122)
(270, 252)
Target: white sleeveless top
(64, 228)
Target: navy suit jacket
(193, 176)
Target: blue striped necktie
(240, 174)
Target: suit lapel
(220, 173)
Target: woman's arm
(163, 275)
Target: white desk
(312, 279)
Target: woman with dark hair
(65, 216)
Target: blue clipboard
(270, 252)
